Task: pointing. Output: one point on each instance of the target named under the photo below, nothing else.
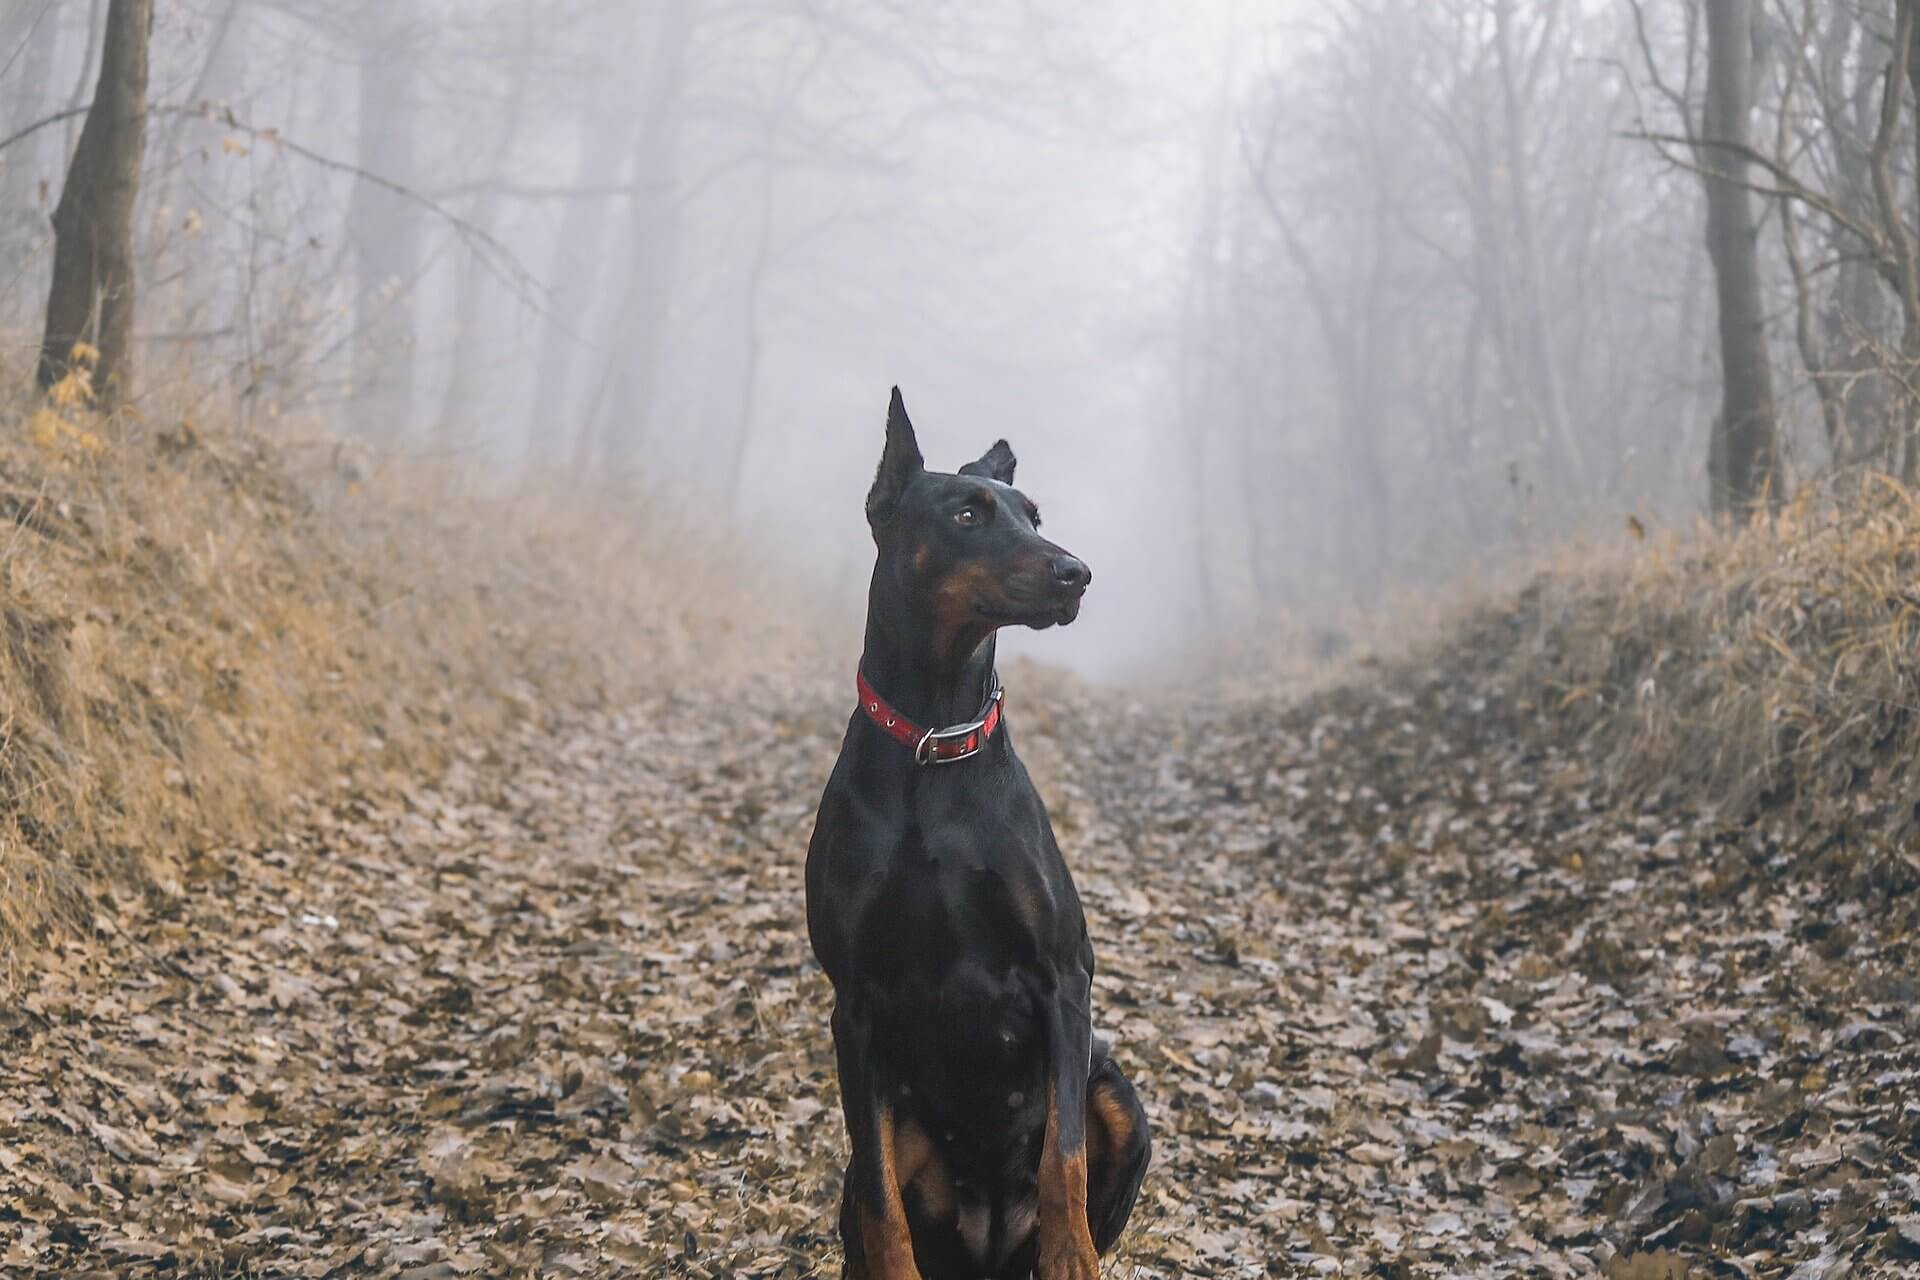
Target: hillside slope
(198, 628)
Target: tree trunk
(750, 306)
(1368, 402)
(455, 423)
(1856, 322)
(1909, 21)
(1197, 388)
(385, 236)
(641, 327)
(1748, 443)
(1359, 349)
(1689, 366)
(92, 297)
(574, 275)
(1545, 386)
(574, 278)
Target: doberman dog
(992, 1137)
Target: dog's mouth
(1059, 611)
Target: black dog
(991, 1136)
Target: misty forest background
(433, 438)
(1313, 301)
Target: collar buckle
(928, 751)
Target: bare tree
(92, 297)
(641, 326)
(1744, 456)
(575, 278)
(1842, 349)
(1360, 331)
(384, 232)
(1520, 74)
(1902, 255)
(460, 401)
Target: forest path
(1399, 997)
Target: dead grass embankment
(1768, 677)
(197, 628)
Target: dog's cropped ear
(899, 464)
(995, 464)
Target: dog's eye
(966, 517)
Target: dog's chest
(960, 892)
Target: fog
(1284, 308)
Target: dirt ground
(1403, 993)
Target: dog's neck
(906, 665)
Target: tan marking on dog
(1109, 1126)
(922, 1167)
(1066, 1239)
(885, 1237)
(953, 598)
(959, 628)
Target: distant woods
(1386, 290)
(1805, 140)
(548, 232)
(1491, 272)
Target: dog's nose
(1071, 573)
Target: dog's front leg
(883, 1249)
(1066, 1241)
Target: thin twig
(1788, 186)
(496, 257)
(21, 135)
(492, 255)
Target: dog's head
(965, 547)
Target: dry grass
(1774, 668)
(1772, 672)
(198, 628)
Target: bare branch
(1317, 294)
(1679, 102)
(1788, 186)
(488, 251)
(21, 135)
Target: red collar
(934, 746)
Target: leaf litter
(1405, 991)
